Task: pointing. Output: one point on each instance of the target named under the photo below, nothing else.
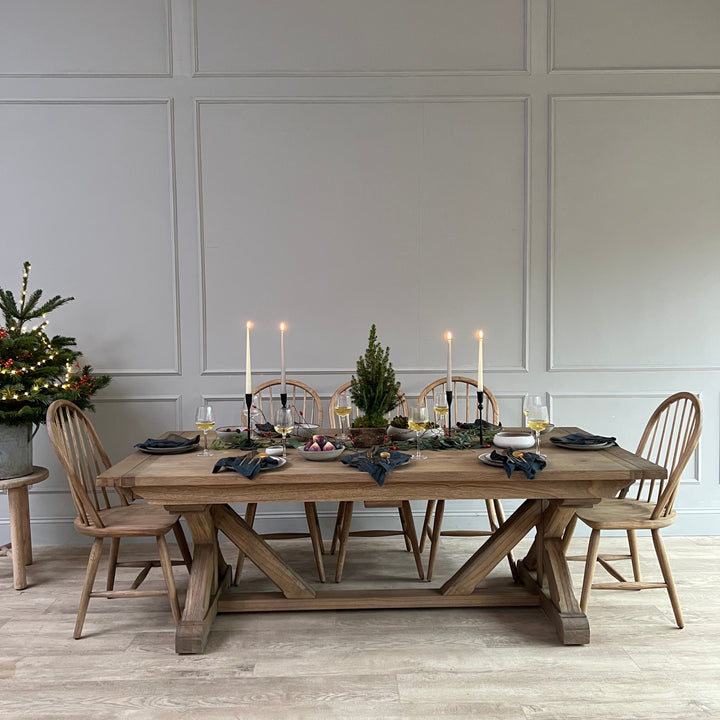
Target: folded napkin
(266, 428)
(529, 463)
(246, 465)
(171, 441)
(582, 439)
(379, 465)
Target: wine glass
(205, 420)
(441, 406)
(418, 421)
(284, 424)
(343, 408)
(531, 401)
(538, 420)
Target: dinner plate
(280, 462)
(170, 450)
(571, 446)
(487, 459)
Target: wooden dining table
(185, 484)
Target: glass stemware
(205, 420)
(418, 421)
(343, 408)
(284, 424)
(538, 420)
(441, 406)
(531, 401)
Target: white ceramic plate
(321, 455)
(170, 450)
(280, 462)
(485, 458)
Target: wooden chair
(308, 405)
(464, 409)
(670, 439)
(345, 509)
(83, 458)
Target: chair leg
(435, 537)
(112, 562)
(590, 560)
(667, 576)
(634, 556)
(343, 539)
(92, 568)
(250, 511)
(315, 537)
(166, 565)
(403, 527)
(425, 533)
(337, 531)
(182, 544)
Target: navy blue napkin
(379, 465)
(582, 439)
(171, 441)
(246, 464)
(530, 463)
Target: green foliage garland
(35, 369)
(375, 390)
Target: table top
(450, 474)
(37, 475)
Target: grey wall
(547, 171)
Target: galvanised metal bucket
(15, 451)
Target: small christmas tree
(374, 391)
(35, 369)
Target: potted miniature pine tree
(375, 393)
(35, 370)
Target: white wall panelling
(545, 171)
(634, 203)
(345, 37)
(621, 36)
(359, 198)
(85, 38)
(88, 187)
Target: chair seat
(134, 520)
(624, 514)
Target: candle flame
(248, 325)
(448, 336)
(283, 327)
(480, 334)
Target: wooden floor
(476, 663)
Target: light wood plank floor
(475, 663)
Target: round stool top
(37, 475)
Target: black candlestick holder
(248, 402)
(283, 399)
(480, 398)
(449, 396)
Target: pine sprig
(375, 390)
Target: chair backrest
(670, 439)
(464, 404)
(83, 458)
(401, 409)
(302, 397)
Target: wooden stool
(19, 510)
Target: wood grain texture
(404, 665)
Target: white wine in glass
(530, 401)
(418, 421)
(205, 420)
(284, 424)
(343, 408)
(441, 406)
(538, 420)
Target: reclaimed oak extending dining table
(185, 484)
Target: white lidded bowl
(514, 440)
